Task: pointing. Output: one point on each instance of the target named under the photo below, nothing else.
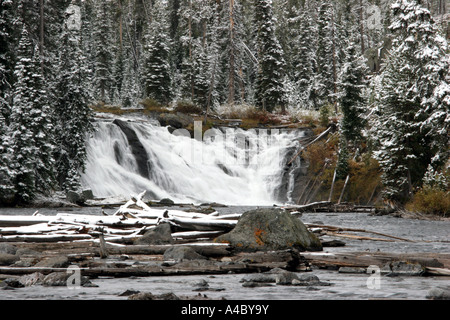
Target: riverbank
(427, 237)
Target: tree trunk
(190, 49)
(332, 185)
(211, 87)
(361, 26)
(231, 85)
(41, 32)
(334, 61)
(343, 189)
(120, 24)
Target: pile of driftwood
(106, 245)
(127, 224)
(82, 239)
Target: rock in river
(159, 235)
(270, 229)
(179, 253)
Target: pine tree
(30, 126)
(231, 31)
(304, 59)
(72, 114)
(102, 32)
(6, 185)
(415, 69)
(201, 74)
(437, 123)
(157, 68)
(352, 99)
(201, 43)
(325, 53)
(342, 166)
(43, 130)
(187, 18)
(6, 56)
(271, 64)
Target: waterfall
(229, 166)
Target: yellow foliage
(430, 201)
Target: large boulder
(137, 148)
(270, 229)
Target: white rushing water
(234, 167)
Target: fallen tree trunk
(307, 145)
(148, 271)
(437, 271)
(207, 250)
(45, 238)
(338, 229)
(352, 236)
(202, 224)
(18, 221)
(366, 259)
(306, 207)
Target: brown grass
(430, 201)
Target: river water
(429, 236)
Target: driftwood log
(222, 263)
(434, 263)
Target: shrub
(324, 115)
(430, 201)
(103, 108)
(187, 107)
(151, 104)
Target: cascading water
(229, 166)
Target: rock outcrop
(270, 229)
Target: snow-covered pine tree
(200, 42)
(212, 48)
(186, 23)
(429, 51)
(269, 89)
(325, 57)
(393, 130)
(157, 68)
(72, 114)
(437, 123)
(412, 75)
(87, 43)
(352, 96)
(286, 14)
(104, 49)
(304, 58)
(202, 76)
(342, 165)
(30, 126)
(231, 31)
(119, 75)
(6, 55)
(131, 91)
(435, 180)
(6, 185)
(42, 128)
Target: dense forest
(381, 67)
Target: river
(429, 236)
